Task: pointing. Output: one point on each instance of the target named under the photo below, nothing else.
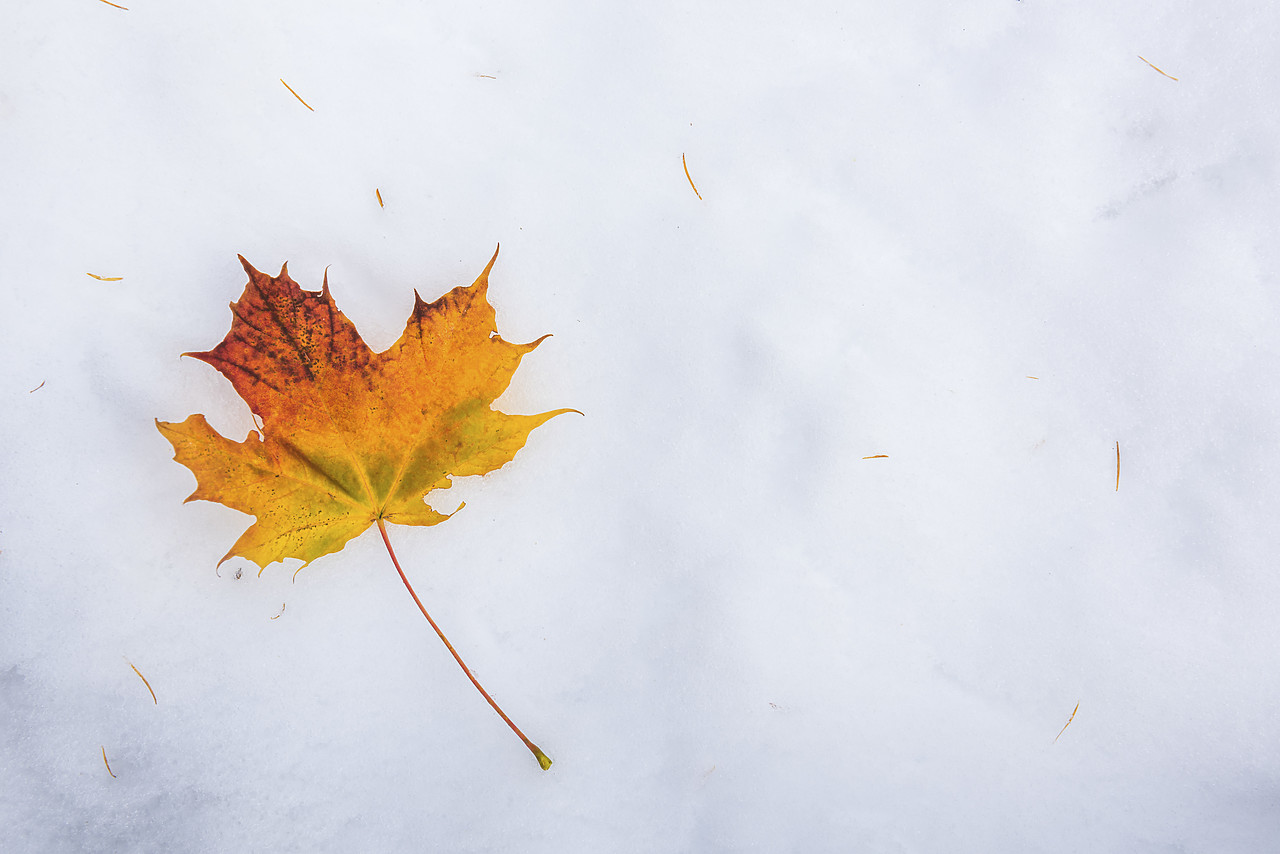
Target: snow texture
(984, 239)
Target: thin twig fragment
(37, 388)
(104, 747)
(126, 8)
(1067, 724)
(490, 76)
(299, 97)
(1117, 466)
(877, 457)
(106, 278)
(1170, 76)
(144, 682)
(378, 193)
(281, 614)
(690, 177)
(1031, 377)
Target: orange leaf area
(350, 436)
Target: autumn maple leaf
(351, 438)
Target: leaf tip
(547, 416)
(482, 281)
(533, 345)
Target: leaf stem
(543, 759)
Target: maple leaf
(351, 438)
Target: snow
(729, 630)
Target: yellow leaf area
(350, 436)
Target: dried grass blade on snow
(144, 681)
(299, 97)
(104, 747)
(1170, 76)
(690, 177)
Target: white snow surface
(730, 630)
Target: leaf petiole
(543, 760)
